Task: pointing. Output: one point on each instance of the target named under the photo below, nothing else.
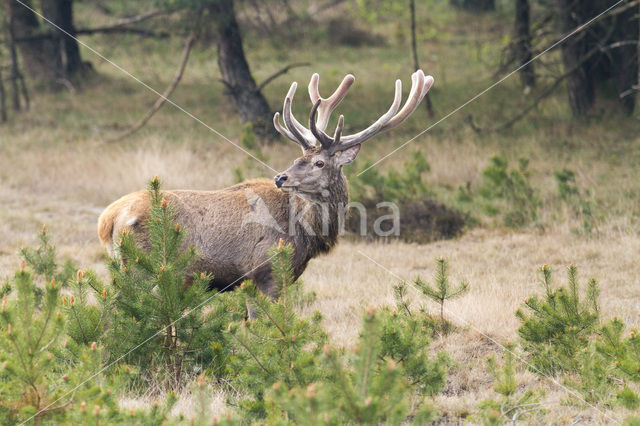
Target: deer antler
(323, 107)
(420, 85)
(294, 130)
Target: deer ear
(348, 155)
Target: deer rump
(232, 229)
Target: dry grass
(55, 170)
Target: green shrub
(405, 336)
(36, 381)
(508, 192)
(405, 185)
(580, 202)
(367, 389)
(513, 404)
(422, 219)
(556, 327)
(43, 260)
(560, 335)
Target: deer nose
(280, 180)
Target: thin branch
(120, 29)
(162, 99)
(549, 89)
(117, 27)
(279, 73)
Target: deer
(234, 228)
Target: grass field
(55, 169)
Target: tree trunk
(474, 5)
(523, 42)
(60, 12)
(18, 86)
(241, 87)
(55, 56)
(637, 96)
(3, 103)
(623, 56)
(414, 51)
(580, 84)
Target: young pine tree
(441, 290)
(512, 405)
(38, 380)
(43, 260)
(405, 337)
(278, 346)
(367, 389)
(154, 302)
(555, 328)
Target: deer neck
(322, 217)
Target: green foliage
(38, 379)
(580, 202)
(405, 185)
(560, 335)
(555, 328)
(508, 192)
(513, 405)
(593, 378)
(369, 389)
(43, 260)
(441, 291)
(153, 303)
(278, 345)
(623, 352)
(405, 336)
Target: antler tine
(294, 128)
(324, 139)
(419, 88)
(282, 129)
(376, 127)
(338, 132)
(329, 104)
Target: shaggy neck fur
(323, 213)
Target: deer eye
(319, 164)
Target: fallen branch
(164, 97)
(279, 73)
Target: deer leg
(263, 279)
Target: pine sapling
(278, 345)
(43, 260)
(367, 389)
(512, 405)
(405, 338)
(555, 328)
(30, 326)
(441, 290)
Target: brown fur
(229, 249)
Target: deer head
(318, 171)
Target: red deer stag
(234, 228)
